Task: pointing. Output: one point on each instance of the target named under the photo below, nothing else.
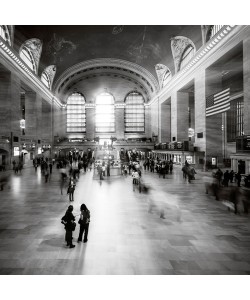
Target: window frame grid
(105, 113)
(76, 115)
(134, 113)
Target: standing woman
(84, 223)
(68, 220)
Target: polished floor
(173, 229)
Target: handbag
(73, 226)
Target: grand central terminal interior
(140, 134)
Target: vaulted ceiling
(70, 47)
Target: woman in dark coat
(68, 220)
(84, 223)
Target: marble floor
(173, 229)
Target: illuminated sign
(22, 123)
(16, 151)
(190, 132)
(76, 140)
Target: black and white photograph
(124, 149)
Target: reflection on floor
(194, 235)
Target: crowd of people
(70, 169)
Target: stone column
(154, 119)
(214, 132)
(182, 116)
(10, 110)
(46, 122)
(30, 116)
(119, 120)
(174, 116)
(246, 84)
(90, 121)
(148, 132)
(165, 117)
(200, 111)
(60, 120)
(39, 121)
(5, 102)
(15, 104)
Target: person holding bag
(84, 223)
(69, 221)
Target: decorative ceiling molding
(35, 47)
(161, 70)
(132, 70)
(51, 72)
(178, 46)
(138, 84)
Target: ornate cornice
(12, 57)
(145, 77)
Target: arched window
(76, 117)
(4, 33)
(26, 56)
(45, 79)
(188, 53)
(166, 78)
(105, 113)
(134, 113)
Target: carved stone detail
(161, 70)
(178, 46)
(122, 65)
(35, 47)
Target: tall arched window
(26, 56)
(134, 113)
(45, 79)
(105, 113)
(76, 117)
(188, 53)
(4, 33)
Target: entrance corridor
(173, 229)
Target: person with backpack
(84, 223)
(69, 225)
